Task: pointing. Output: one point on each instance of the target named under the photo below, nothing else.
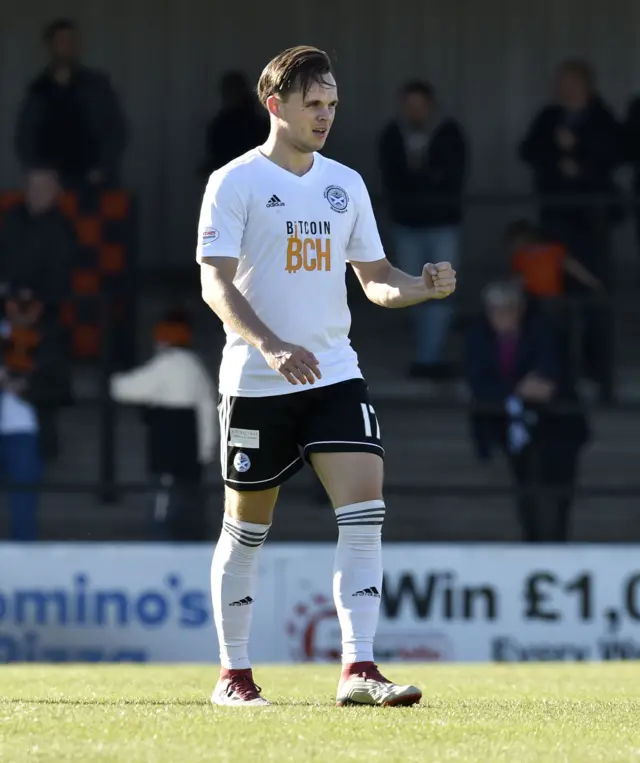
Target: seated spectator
(179, 400)
(517, 375)
(542, 262)
(32, 386)
(238, 127)
(71, 119)
(37, 243)
(423, 158)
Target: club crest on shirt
(337, 197)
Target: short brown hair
(293, 69)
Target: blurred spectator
(71, 119)
(423, 159)
(37, 249)
(38, 243)
(573, 147)
(32, 386)
(179, 402)
(238, 127)
(632, 151)
(543, 262)
(20, 459)
(515, 364)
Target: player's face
(307, 119)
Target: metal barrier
(108, 488)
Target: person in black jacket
(71, 119)
(574, 147)
(516, 371)
(632, 152)
(423, 160)
(238, 127)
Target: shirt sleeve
(365, 244)
(222, 218)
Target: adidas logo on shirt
(242, 603)
(274, 201)
(373, 591)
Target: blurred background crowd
(509, 411)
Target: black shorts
(266, 440)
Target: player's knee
(365, 518)
(251, 505)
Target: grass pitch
(469, 714)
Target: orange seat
(101, 222)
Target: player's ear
(273, 105)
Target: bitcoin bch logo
(308, 246)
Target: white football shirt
(292, 237)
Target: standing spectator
(71, 119)
(632, 151)
(32, 385)
(179, 403)
(573, 147)
(423, 160)
(238, 127)
(20, 460)
(516, 371)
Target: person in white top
(277, 229)
(179, 400)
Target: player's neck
(286, 156)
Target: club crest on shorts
(241, 462)
(337, 197)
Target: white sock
(234, 575)
(357, 577)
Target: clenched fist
(440, 280)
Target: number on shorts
(370, 421)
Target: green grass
(470, 714)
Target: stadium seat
(102, 281)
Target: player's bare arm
(297, 365)
(387, 286)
